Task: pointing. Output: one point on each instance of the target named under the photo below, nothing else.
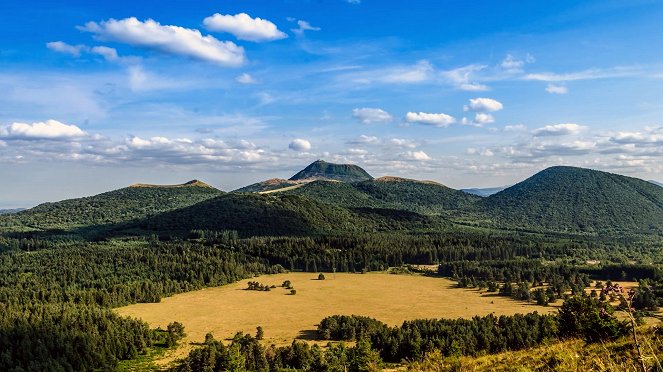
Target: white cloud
(437, 120)
(109, 54)
(62, 47)
(371, 115)
(556, 89)
(462, 77)
(419, 72)
(482, 118)
(417, 155)
(515, 128)
(168, 39)
(51, 129)
(246, 79)
(480, 152)
(299, 144)
(650, 137)
(303, 26)
(401, 142)
(364, 140)
(559, 130)
(511, 64)
(244, 27)
(616, 72)
(484, 105)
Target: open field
(389, 298)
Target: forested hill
(577, 199)
(134, 202)
(329, 171)
(391, 192)
(283, 215)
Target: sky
(95, 96)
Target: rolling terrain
(577, 199)
(126, 204)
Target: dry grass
(389, 298)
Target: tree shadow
(308, 335)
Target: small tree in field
(293, 292)
(286, 284)
(259, 333)
(321, 276)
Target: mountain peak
(321, 170)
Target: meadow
(392, 299)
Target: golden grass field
(386, 297)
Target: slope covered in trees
(255, 214)
(392, 193)
(113, 207)
(577, 199)
(320, 169)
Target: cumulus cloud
(436, 120)
(368, 115)
(168, 39)
(51, 129)
(303, 26)
(246, 79)
(482, 118)
(556, 89)
(559, 130)
(484, 105)
(244, 27)
(648, 137)
(62, 47)
(299, 144)
(417, 155)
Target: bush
(321, 276)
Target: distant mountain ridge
(656, 183)
(486, 191)
(11, 211)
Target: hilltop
(578, 199)
(126, 204)
(320, 169)
(192, 183)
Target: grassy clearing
(388, 298)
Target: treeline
(54, 303)
(488, 334)
(246, 353)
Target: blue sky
(99, 95)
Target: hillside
(391, 192)
(279, 214)
(656, 183)
(116, 206)
(577, 199)
(269, 185)
(329, 171)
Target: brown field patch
(388, 298)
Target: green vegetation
(576, 199)
(112, 207)
(338, 172)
